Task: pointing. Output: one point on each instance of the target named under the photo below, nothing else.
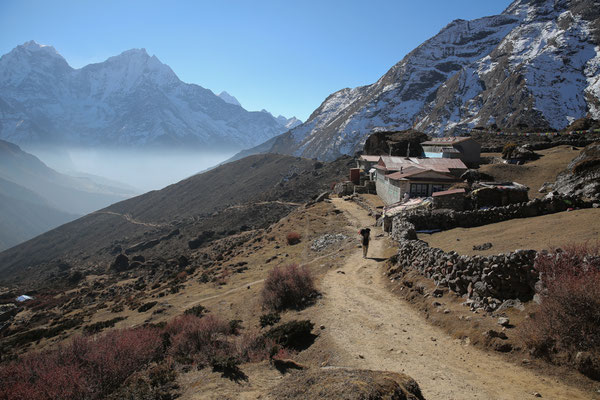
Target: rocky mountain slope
(236, 197)
(131, 99)
(535, 66)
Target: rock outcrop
(395, 143)
(582, 176)
(347, 384)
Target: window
(419, 190)
(438, 188)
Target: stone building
(453, 199)
(461, 147)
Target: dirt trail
(374, 329)
(130, 219)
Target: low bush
(508, 149)
(158, 382)
(269, 319)
(566, 326)
(46, 302)
(89, 368)
(288, 287)
(146, 306)
(34, 335)
(235, 326)
(197, 340)
(198, 311)
(139, 363)
(253, 347)
(96, 327)
(293, 238)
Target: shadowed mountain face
(129, 100)
(65, 193)
(35, 198)
(247, 194)
(24, 214)
(535, 66)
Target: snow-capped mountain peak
(535, 66)
(32, 45)
(131, 99)
(227, 98)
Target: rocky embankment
(582, 176)
(487, 281)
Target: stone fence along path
(486, 280)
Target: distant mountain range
(129, 100)
(535, 66)
(35, 198)
(288, 123)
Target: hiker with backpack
(365, 232)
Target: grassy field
(534, 173)
(532, 233)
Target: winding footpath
(374, 329)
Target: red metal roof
(436, 164)
(413, 172)
(448, 192)
(406, 172)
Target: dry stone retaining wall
(486, 280)
(445, 219)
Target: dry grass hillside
(534, 173)
(537, 233)
(247, 194)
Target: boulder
(582, 175)
(395, 143)
(121, 263)
(326, 384)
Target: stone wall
(486, 280)
(343, 188)
(579, 142)
(454, 201)
(448, 219)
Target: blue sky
(284, 56)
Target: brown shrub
(293, 238)
(212, 341)
(568, 320)
(508, 149)
(288, 287)
(88, 368)
(197, 340)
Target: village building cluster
(439, 178)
